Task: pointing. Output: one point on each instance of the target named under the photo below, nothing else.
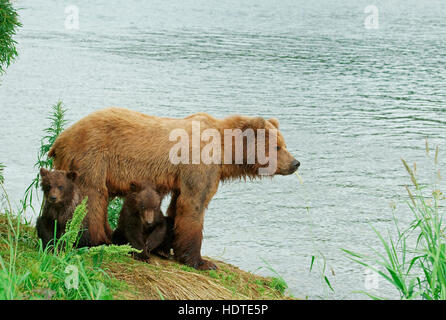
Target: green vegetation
(57, 124)
(114, 208)
(414, 261)
(277, 282)
(8, 25)
(27, 271)
(318, 260)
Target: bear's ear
(254, 123)
(72, 175)
(135, 186)
(274, 122)
(43, 172)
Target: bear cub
(61, 197)
(142, 224)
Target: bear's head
(145, 201)
(263, 151)
(286, 163)
(57, 185)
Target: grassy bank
(29, 272)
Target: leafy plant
(318, 260)
(73, 228)
(414, 261)
(315, 260)
(9, 23)
(2, 168)
(114, 208)
(57, 124)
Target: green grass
(61, 272)
(414, 258)
(277, 282)
(28, 271)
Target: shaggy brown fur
(61, 197)
(113, 147)
(141, 222)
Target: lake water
(351, 102)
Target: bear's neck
(239, 171)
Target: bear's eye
(46, 188)
(60, 188)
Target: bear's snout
(149, 216)
(295, 164)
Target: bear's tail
(62, 160)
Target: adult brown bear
(112, 147)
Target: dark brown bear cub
(61, 196)
(141, 222)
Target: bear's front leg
(194, 197)
(96, 218)
(187, 245)
(134, 233)
(164, 248)
(156, 237)
(137, 242)
(45, 230)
